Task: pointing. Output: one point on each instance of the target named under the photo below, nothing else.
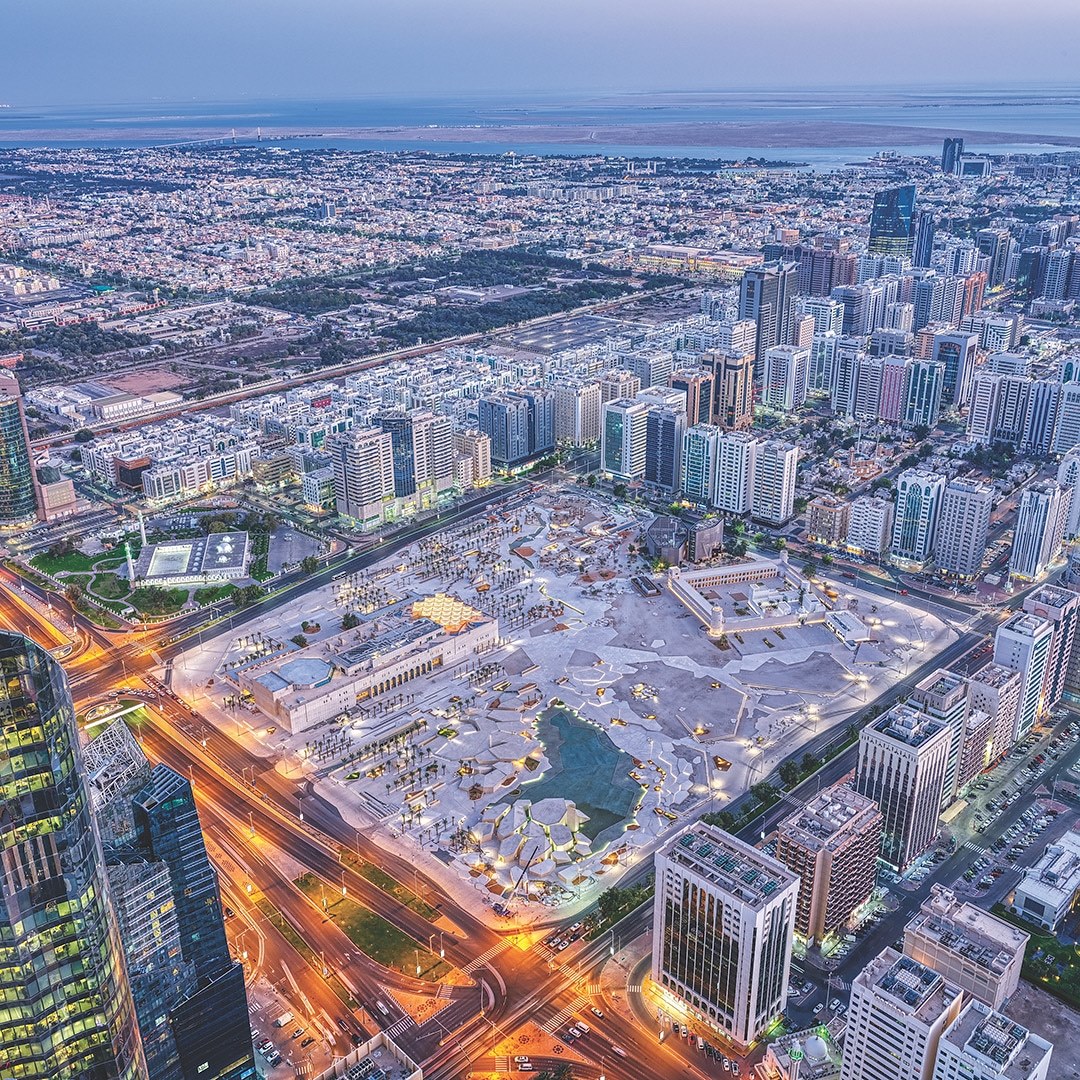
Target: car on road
(818, 1008)
(297, 1033)
(521, 1059)
(307, 1042)
(597, 1013)
(618, 1050)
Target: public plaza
(584, 721)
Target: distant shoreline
(758, 135)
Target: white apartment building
(735, 467)
(981, 1044)
(577, 413)
(1041, 520)
(870, 525)
(700, 455)
(897, 1014)
(1023, 644)
(363, 462)
(773, 489)
(960, 544)
(723, 918)
(784, 382)
(623, 439)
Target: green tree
(299, 641)
(309, 564)
(350, 620)
(619, 491)
(809, 763)
(764, 792)
(722, 819)
(790, 773)
(246, 596)
(810, 568)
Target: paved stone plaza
(448, 762)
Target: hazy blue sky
(68, 51)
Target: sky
(79, 52)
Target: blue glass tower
(892, 223)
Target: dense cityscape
(585, 615)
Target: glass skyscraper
(65, 1006)
(892, 223)
(18, 501)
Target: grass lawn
(154, 600)
(1049, 962)
(109, 586)
(392, 887)
(209, 593)
(372, 934)
(75, 562)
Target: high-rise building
(733, 389)
(664, 431)
(981, 1044)
(898, 1011)
(18, 497)
(997, 245)
(960, 544)
(832, 843)
(1041, 519)
(784, 381)
(697, 384)
(1023, 644)
(956, 352)
(828, 519)
(540, 402)
(925, 228)
(951, 151)
(622, 438)
(617, 384)
(363, 460)
(765, 296)
(870, 527)
(577, 412)
(504, 419)
(474, 447)
(924, 385)
(974, 950)
(68, 1009)
(723, 917)
(919, 494)
(736, 464)
(902, 761)
(773, 489)
(399, 426)
(700, 452)
(943, 696)
(1068, 477)
(995, 689)
(1061, 607)
(892, 222)
(822, 269)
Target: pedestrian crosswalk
(483, 958)
(502, 1063)
(974, 847)
(398, 1026)
(552, 1026)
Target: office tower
(577, 413)
(1041, 417)
(540, 402)
(822, 361)
(997, 245)
(923, 253)
(504, 418)
(697, 384)
(981, 1044)
(832, 843)
(863, 307)
(68, 1010)
(956, 351)
(784, 381)
(618, 384)
(1061, 607)
(733, 389)
(895, 373)
(399, 426)
(422, 450)
(772, 499)
(960, 543)
(919, 493)
(736, 464)
(664, 431)
(892, 222)
(474, 446)
(869, 372)
(1066, 419)
(802, 331)
(951, 150)
(897, 1014)
(943, 696)
(1041, 519)
(902, 761)
(18, 498)
(1023, 644)
(1068, 477)
(622, 439)
(924, 386)
(845, 375)
(765, 295)
(1056, 280)
(995, 690)
(970, 948)
(723, 917)
(363, 462)
(700, 451)
(983, 413)
(870, 526)
(828, 519)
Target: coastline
(762, 135)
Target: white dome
(816, 1050)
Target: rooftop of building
(217, 552)
(1005, 1045)
(995, 675)
(910, 986)
(907, 725)
(828, 817)
(1056, 874)
(731, 864)
(976, 935)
